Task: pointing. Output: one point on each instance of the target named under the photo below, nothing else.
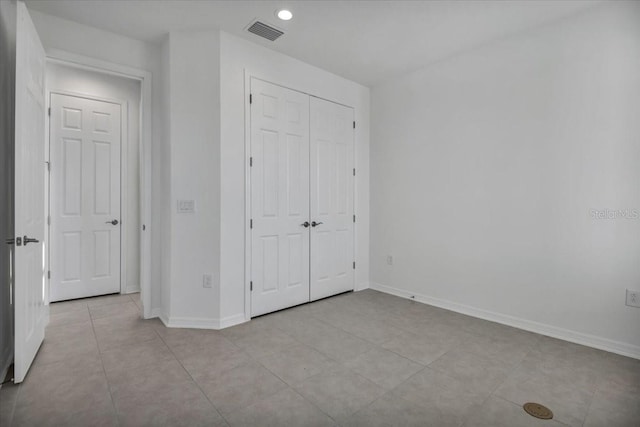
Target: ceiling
(364, 41)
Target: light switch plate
(186, 206)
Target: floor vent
(263, 30)
(537, 410)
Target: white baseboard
(202, 323)
(164, 318)
(600, 343)
(362, 286)
(192, 322)
(155, 312)
(132, 290)
(229, 321)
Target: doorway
(94, 204)
(302, 198)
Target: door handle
(113, 222)
(26, 240)
(314, 224)
(305, 224)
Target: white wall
(80, 81)
(82, 39)
(57, 33)
(485, 168)
(236, 56)
(8, 17)
(194, 128)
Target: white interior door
(85, 144)
(31, 310)
(279, 197)
(332, 188)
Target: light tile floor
(359, 359)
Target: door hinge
(354, 265)
(49, 274)
(250, 223)
(354, 124)
(144, 227)
(354, 171)
(251, 286)
(48, 166)
(354, 218)
(48, 219)
(250, 99)
(49, 111)
(250, 161)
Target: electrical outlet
(389, 260)
(207, 281)
(633, 298)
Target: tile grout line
(297, 342)
(491, 393)
(104, 371)
(361, 315)
(15, 403)
(520, 406)
(215, 408)
(464, 418)
(511, 371)
(560, 422)
(593, 397)
(342, 364)
(289, 386)
(391, 391)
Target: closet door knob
(305, 224)
(314, 224)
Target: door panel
(279, 197)
(332, 185)
(85, 189)
(31, 310)
(72, 176)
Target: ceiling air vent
(263, 30)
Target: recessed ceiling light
(284, 14)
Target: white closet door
(279, 197)
(31, 310)
(332, 188)
(85, 197)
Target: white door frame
(144, 77)
(248, 75)
(124, 159)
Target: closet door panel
(279, 197)
(331, 197)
